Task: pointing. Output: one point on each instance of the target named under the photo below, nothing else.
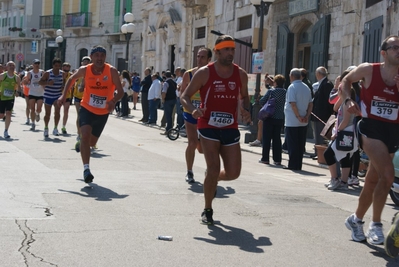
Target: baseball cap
(86, 58)
(36, 61)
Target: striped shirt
(55, 90)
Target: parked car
(394, 193)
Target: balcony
(79, 22)
(19, 4)
(49, 24)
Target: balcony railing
(52, 22)
(78, 19)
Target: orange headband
(225, 44)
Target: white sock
(86, 166)
(356, 219)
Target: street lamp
(128, 29)
(262, 8)
(59, 41)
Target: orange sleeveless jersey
(99, 89)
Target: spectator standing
(145, 86)
(297, 109)
(136, 88)
(321, 106)
(272, 126)
(169, 100)
(154, 98)
(126, 84)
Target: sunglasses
(393, 47)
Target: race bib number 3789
(98, 101)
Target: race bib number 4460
(98, 101)
(386, 110)
(221, 119)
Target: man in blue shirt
(298, 107)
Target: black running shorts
(97, 122)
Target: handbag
(129, 92)
(326, 133)
(344, 140)
(268, 109)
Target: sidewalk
(136, 115)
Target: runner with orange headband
(101, 80)
(221, 84)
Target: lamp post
(262, 9)
(59, 41)
(128, 29)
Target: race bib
(221, 119)
(8, 92)
(385, 110)
(98, 101)
(196, 103)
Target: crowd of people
(365, 100)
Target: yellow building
(84, 24)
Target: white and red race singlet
(380, 101)
(220, 98)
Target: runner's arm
(44, 80)
(118, 85)
(199, 79)
(246, 115)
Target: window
(200, 32)
(245, 23)
(305, 35)
(369, 3)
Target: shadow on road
(222, 192)
(380, 252)
(54, 140)
(97, 192)
(232, 236)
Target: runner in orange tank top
(98, 101)
(221, 84)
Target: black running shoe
(190, 177)
(88, 177)
(206, 216)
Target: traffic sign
(20, 57)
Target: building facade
(168, 34)
(19, 34)
(86, 23)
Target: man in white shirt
(154, 97)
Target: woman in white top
(126, 84)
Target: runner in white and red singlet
(378, 136)
(221, 84)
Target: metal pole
(128, 35)
(59, 51)
(256, 106)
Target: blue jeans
(168, 110)
(153, 110)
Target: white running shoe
(375, 235)
(55, 132)
(45, 133)
(37, 118)
(356, 228)
(255, 143)
(334, 184)
(33, 127)
(353, 180)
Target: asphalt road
(268, 217)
